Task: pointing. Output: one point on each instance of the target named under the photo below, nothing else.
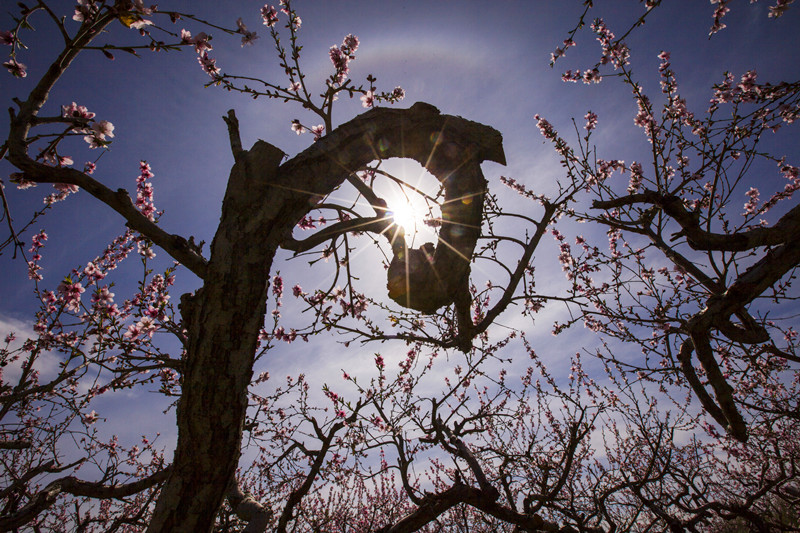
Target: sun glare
(406, 216)
(410, 199)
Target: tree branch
(120, 201)
(248, 509)
(71, 485)
(787, 228)
(451, 148)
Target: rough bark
(226, 316)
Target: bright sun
(405, 215)
(411, 199)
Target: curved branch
(434, 505)
(785, 230)
(379, 224)
(120, 201)
(72, 485)
(450, 148)
(522, 265)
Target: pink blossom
(368, 99)
(7, 37)
(340, 60)
(779, 8)
(140, 7)
(147, 326)
(71, 292)
(592, 76)
(295, 87)
(752, 202)
(141, 23)
(133, 332)
(92, 272)
(145, 250)
(297, 127)
(37, 241)
(200, 42)
(606, 168)
(209, 65)
(33, 271)
(84, 11)
(103, 129)
(103, 297)
(636, 177)
(66, 188)
(350, 42)
(248, 36)
(277, 286)
(270, 15)
(614, 52)
(16, 68)
(76, 111)
(317, 131)
(591, 121)
(644, 118)
(570, 76)
(720, 11)
(545, 127)
(306, 223)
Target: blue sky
(487, 62)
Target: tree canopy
(612, 350)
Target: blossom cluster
(341, 57)
(270, 15)
(637, 175)
(588, 76)
(97, 132)
(614, 52)
(561, 50)
(144, 192)
(37, 242)
(16, 68)
(201, 46)
(549, 132)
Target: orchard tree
(700, 286)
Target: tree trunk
(224, 319)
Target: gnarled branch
(72, 485)
(451, 148)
